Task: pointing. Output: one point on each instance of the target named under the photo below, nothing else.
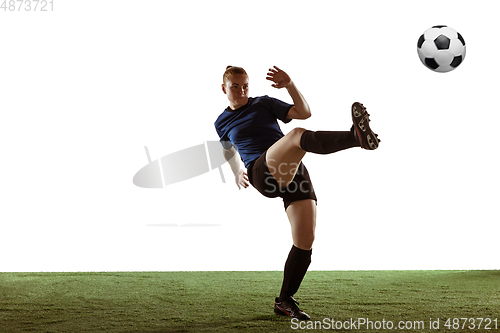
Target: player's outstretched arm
(301, 109)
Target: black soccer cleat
(361, 120)
(289, 308)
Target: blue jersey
(252, 128)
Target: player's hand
(279, 77)
(242, 179)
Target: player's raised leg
(284, 156)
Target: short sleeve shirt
(252, 128)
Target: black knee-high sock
(295, 269)
(327, 142)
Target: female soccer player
(273, 161)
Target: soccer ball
(441, 48)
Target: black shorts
(300, 188)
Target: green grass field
(243, 301)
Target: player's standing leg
(302, 217)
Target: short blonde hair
(232, 70)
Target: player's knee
(296, 134)
(306, 240)
(297, 131)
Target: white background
(84, 88)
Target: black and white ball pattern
(441, 48)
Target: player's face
(236, 89)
